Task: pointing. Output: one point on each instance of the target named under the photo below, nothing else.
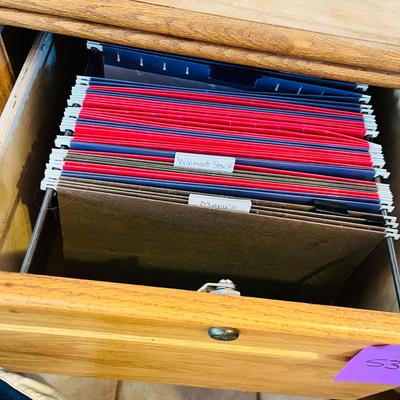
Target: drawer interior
(93, 328)
(47, 92)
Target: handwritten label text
(220, 203)
(204, 162)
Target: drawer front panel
(77, 327)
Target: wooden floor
(79, 388)
(76, 388)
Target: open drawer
(63, 325)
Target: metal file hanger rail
(47, 203)
(49, 194)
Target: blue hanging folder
(221, 74)
(334, 102)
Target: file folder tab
(220, 203)
(204, 162)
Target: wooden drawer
(122, 331)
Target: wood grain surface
(357, 19)
(193, 48)
(356, 51)
(77, 327)
(6, 75)
(22, 127)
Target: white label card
(204, 162)
(220, 203)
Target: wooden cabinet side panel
(23, 129)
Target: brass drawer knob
(223, 333)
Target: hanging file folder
(179, 164)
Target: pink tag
(375, 364)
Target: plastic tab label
(204, 162)
(220, 203)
